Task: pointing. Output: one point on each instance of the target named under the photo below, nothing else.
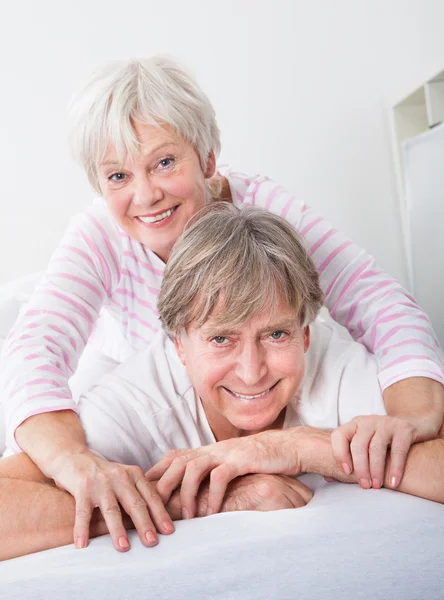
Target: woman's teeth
(156, 218)
(250, 397)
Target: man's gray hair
(157, 91)
(249, 259)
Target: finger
(359, 447)
(400, 447)
(82, 521)
(164, 463)
(340, 442)
(378, 456)
(156, 507)
(112, 514)
(219, 479)
(135, 506)
(195, 473)
(294, 498)
(301, 489)
(172, 478)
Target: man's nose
(146, 192)
(251, 365)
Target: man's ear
(180, 349)
(211, 165)
(306, 338)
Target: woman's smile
(159, 219)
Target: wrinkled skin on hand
(112, 488)
(365, 444)
(267, 452)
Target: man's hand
(265, 493)
(267, 452)
(361, 446)
(250, 492)
(95, 482)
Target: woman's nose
(251, 364)
(146, 192)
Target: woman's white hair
(156, 91)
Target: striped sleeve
(43, 348)
(375, 308)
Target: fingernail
(376, 483)
(168, 527)
(393, 482)
(80, 543)
(186, 513)
(151, 537)
(365, 483)
(123, 543)
(346, 468)
(209, 512)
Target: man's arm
(423, 476)
(35, 515)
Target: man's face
(246, 375)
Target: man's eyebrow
(107, 163)
(285, 324)
(230, 330)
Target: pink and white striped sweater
(98, 266)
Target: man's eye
(220, 340)
(117, 177)
(278, 335)
(166, 162)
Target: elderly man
(233, 387)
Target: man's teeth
(251, 397)
(156, 218)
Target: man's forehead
(264, 321)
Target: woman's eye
(166, 162)
(116, 177)
(278, 335)
(219, 340)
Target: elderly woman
(239, 296)
(147, 138)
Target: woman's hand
(111, 487)
(266, 452)
(419, 400)
(362, 446)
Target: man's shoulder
(151, 381)
(341, 378)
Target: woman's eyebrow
(107, 163)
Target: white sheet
(346, 544)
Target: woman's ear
(306, 338)
(179, 349)
(211, 165)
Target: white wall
(300, 89)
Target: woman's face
(153, 195)
(245, 376)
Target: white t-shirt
(148, 405)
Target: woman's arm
(44, 346)
(424, 471)
(375, 308)
(39, 357)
